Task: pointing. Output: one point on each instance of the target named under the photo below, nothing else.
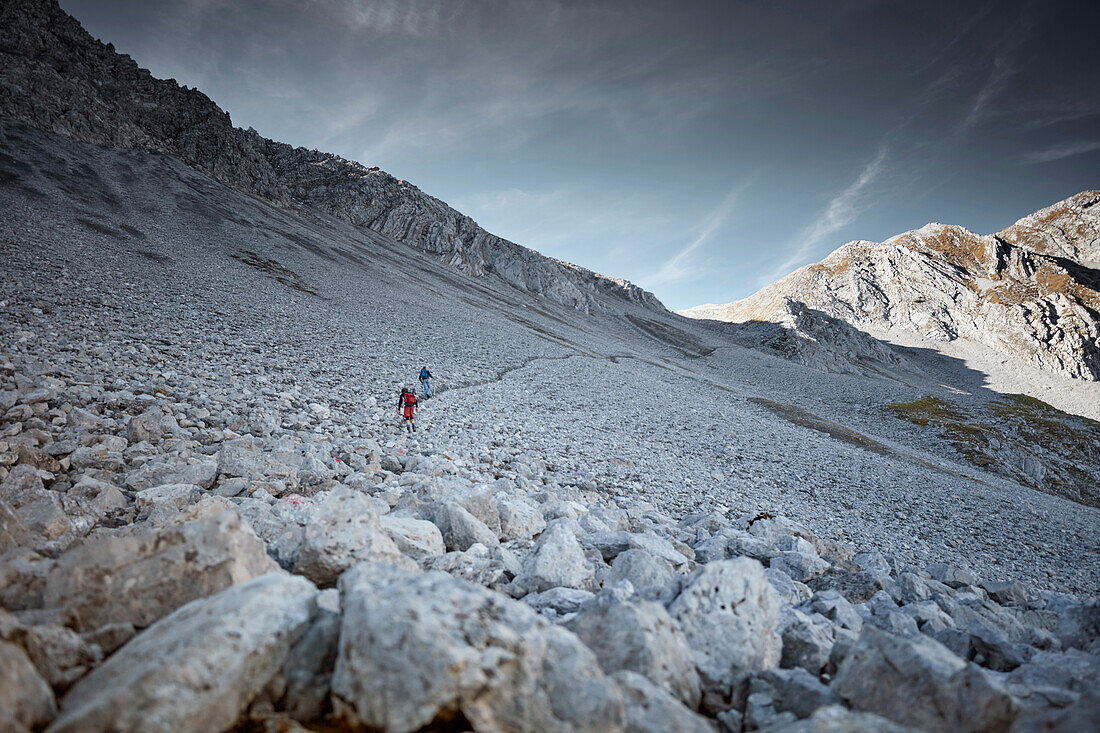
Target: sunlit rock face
(1030, 292)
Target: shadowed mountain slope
(55, 76)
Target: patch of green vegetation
(1013, 436)
(925, 411)
(1023, 407)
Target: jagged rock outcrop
(55, 76)
(1030, 292)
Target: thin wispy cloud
(680, 267)
(995, 83)
(1060, 151)
(841, 211)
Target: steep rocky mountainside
(1030, 292)
(55, 76)
(210, 518)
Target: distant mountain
(56, 77)
(1031, 291)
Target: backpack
(409, 398)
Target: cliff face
(55, 76)
(1031, 291)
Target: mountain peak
(1030, 291)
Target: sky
(699, 149)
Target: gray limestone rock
(13, 532)
(641, 637)
(651, 578)
(58, 653)
(793, 690)
(166, 496)
(418, 648)
(790, 590)
(417, 538)
(651, 709)
(460, 528)
(24, 695)
(152, 426)
(344, 530)
(838, 719)
(917, 681)
(519, 519)
(1006, 591)
(951, 575)
(557, 560)
(140, 577)
(561, 601)
(172, 470)
(198, 668)
(728, 611)
(807, 640)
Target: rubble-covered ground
(210, 517)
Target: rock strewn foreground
(54, 76)
(169, 566)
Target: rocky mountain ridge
(211, 518)
(55, 76)
(1031, 291)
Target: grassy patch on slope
(1021, 437)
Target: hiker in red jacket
(406, 406)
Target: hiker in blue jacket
(426, 382)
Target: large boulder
(610, 544)
(1056, 688)
(140, 577)
(418, 538)
(152, 426)
(807, 640)
(421, 648)
(38, 509)
(918, 681)
(13, 531)
(345, 530)
(165, 499)
(172, 469)
(24, 696)
(519, 519)
(23, 574)
(728, 611)
(651, 578)
(87, 503)
(58, 653)
(480, 501)
(197, 669)
(558, 560)
(460, 529)
(307, 676)
(650, 709)
(640, 637)
(281, 525)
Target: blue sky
(701, 150)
